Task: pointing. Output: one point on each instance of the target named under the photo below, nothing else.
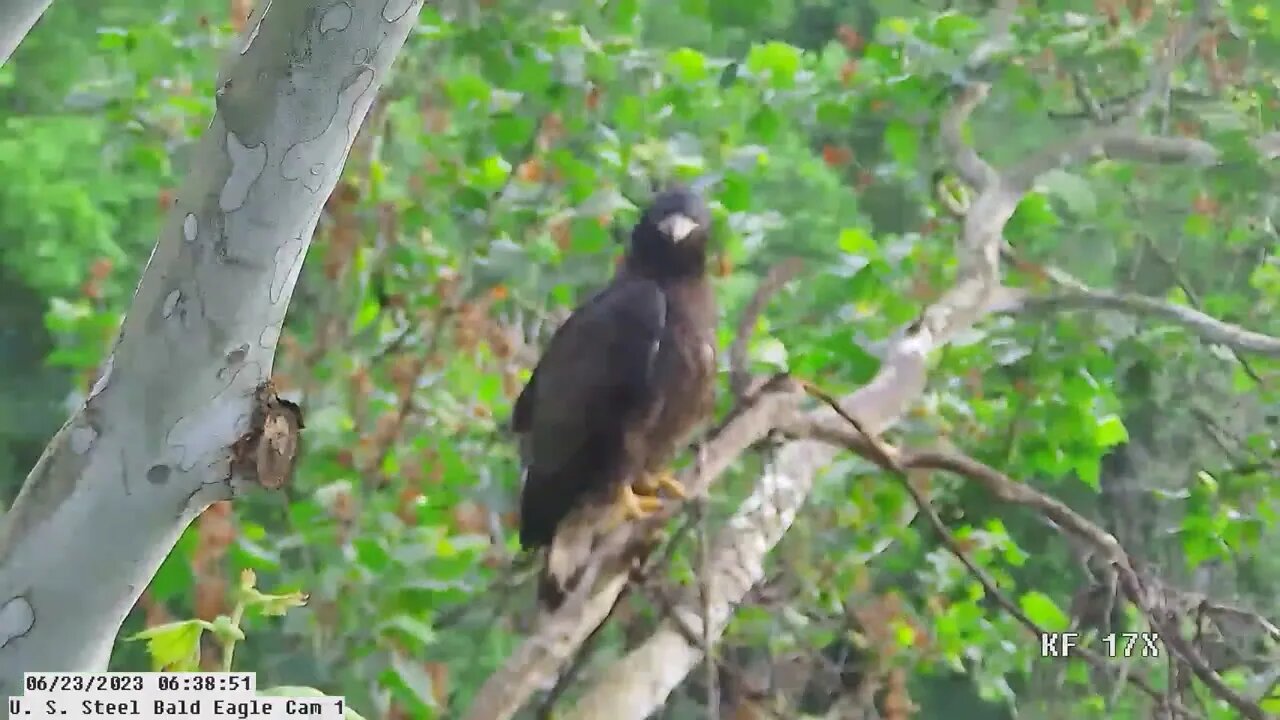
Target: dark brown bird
(617, 393)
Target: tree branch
(1207, 327)
(151, 447)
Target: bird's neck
(669, 268)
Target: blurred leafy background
(479, 204)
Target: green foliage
(175, 646)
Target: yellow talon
(663, 480)
(636, 507)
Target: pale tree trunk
(149, 450)
(17, 17)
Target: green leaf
(174, 646)
(834, 114)
(512, 131)
(174, 575)
(1089, 469)
(412, 627)
(414, 678)
(764, 124)
(1042, 611)
(1073, 190)
(1033, 212)
(903, 142)
(776, 61)
(856, 241)
(1110, 431)
(735, 193)
(904, 634)
(687, 65)
(492, 172)
(367, 313)
(1198, 226)
(273, 604)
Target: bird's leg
(631, 506)
(663, 479)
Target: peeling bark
(17, 17)
(151, 447)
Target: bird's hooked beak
(678, 226)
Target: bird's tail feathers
(567, 557)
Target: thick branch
(17, 17)
(150, 448)
(640, 683)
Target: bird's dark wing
(593, 381)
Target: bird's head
(671, 237)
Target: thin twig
(884, 457)
(739, 363)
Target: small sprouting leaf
(272, 604)
(225, 630)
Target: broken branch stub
(268, 451)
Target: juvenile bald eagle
(617, 393)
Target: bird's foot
(652, 483)
(632, 506)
